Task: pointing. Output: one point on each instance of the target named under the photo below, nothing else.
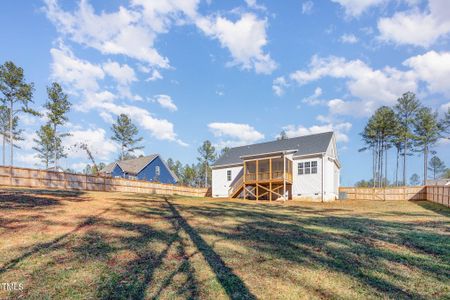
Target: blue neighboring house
(149, 168)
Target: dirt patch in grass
(137, 246)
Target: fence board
(32, 178)
(437, 194)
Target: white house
(305, 167)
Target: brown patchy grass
(64, 245)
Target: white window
(301, 169)
(157, 171)
(228, 175)
(307, 167)
(314, 167)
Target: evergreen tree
(282, 136)
(378, 135)
(436, 166)
(189, 175)
(446, 174)
(125, 132)
(57, 107)
(427, 132)
(414, 180)
(406, 109)
(16, 91)
(4, 130)
(207, 156)
(45, 144)
(224, 151)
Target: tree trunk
(4, 149)
(373, 166)
(396, 168)
(11, 138)
(55, 148)
(386, 167)
(425, 159)
(404, 160)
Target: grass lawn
(133, 246)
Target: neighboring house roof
(135, 165)
(302, 145)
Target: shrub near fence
(33, 178)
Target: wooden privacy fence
(33, 178)
(390, 193)
(438, 194)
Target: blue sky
(234, 72)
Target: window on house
(300, 168)
(157, 171)
(308, 167)
(228, 175)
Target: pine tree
(282, 136)
(436, 166)
(125, 132)
(414, 180)
(57, 107)
(16, 91)
(45, 144)
(207, 156)
(427, 132)
(5, 131)
(406, 109)
(378, 135)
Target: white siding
(220, 184)
(307, 186)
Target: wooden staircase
(237, 187)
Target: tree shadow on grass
(232, 284)
(434, 207)
(361, 248)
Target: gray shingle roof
(303, 145)
(131, 166)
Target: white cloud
(253, 4)
(99, 144)
(155, 76)
(278, 85)
(123, 74)
(348, 39)
(355, 8)
(80, 74)
(314, 98)
(244, 38)
(433, 68)
(415, 27)
(307, 7)
(69, 71)
(373, 87)
(122, 32)
(237, 134)
(341, 130)
(166, 102)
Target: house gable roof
(131, 166)
(135, 165)
(302, 145)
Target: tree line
(408, 127)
